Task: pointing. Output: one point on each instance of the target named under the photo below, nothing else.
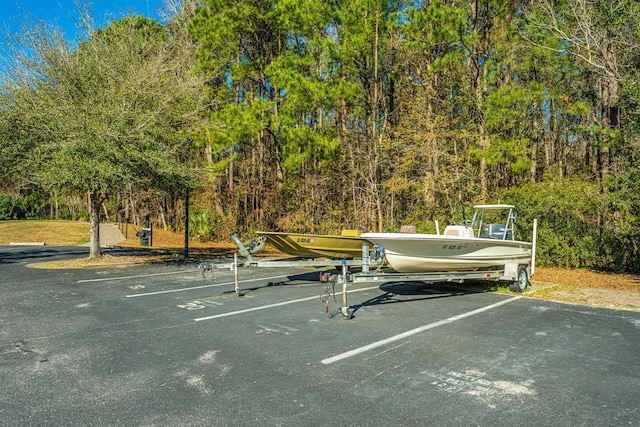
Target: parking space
(161, 345)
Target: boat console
(496, 231)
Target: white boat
(481, 243)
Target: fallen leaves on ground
(588, 279)
(598, 289)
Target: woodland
(315, 116)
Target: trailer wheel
(522, 280)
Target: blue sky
(63, 12)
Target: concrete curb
(27, 243)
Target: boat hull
(315, 245)
(418, 253)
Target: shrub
(202, 225)
(7, 206)
(577, 225)
(64, 213)
(29, 207)
(82, 215)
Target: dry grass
(64, 233)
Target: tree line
(314, 116)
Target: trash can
(144, 235)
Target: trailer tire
(522, 280)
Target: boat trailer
(371, 269)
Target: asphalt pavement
(162, 345)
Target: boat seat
(410, 229)
(458, 230)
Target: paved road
(110, 234)
(159, 345)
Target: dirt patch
(617, 291)
(597, 297)
(106, 261)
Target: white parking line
(263, 307)
(106, 279)
(403, 335)
(203, 286)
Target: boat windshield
(494, 222)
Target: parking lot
(161, 345)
